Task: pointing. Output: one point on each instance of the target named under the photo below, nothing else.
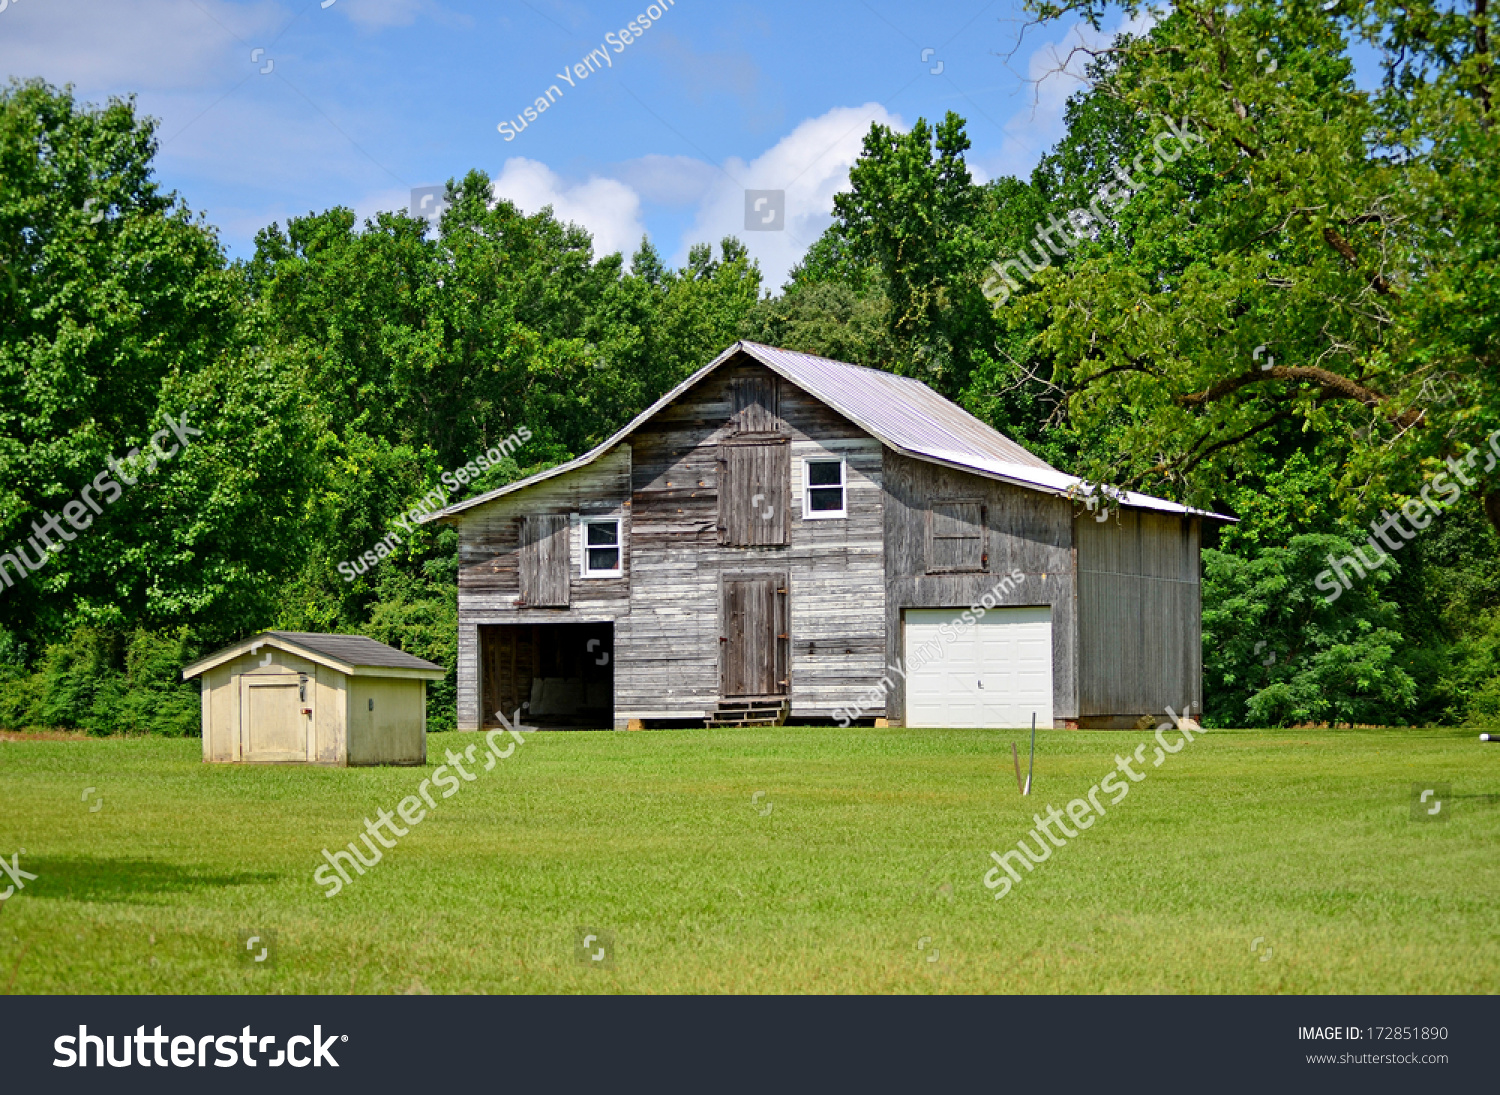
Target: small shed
(299, 697)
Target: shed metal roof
(357, 655)
(904, 414)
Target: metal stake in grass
(1031, 760)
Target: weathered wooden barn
(297, 697)
(782, 535)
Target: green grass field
(869, 861)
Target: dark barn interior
(558, 675)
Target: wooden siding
(956, 536)
(666, 609)
(755, 403)
(489, 586)
(848, 579)
(754, 498)
(753, 623)
(1140, 624)
(1025, 531)
(668, 648)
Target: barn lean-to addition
(781, 535)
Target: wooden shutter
(544, 560)
(955, 536)
(754, 493)
(755, 404)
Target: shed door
(754, 640)
(272, 725)
(995, 672)
(544, 560)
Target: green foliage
(117, 309)
(910, 212)
(1350, 235)
(108, 683)
(828, 318)
(1276, 652)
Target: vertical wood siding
(545, 560)
(1140, 625)
(1024, 530)
(754, 500)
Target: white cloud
(1054, 71)
(810, 164)
(608, 208)
(149, 44)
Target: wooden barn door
(755, 635)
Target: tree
(1322, 260)
(911, 212)
(119, 316)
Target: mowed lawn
(859, 869)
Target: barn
(785, 536)
(296, 697)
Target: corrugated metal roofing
(902, 413)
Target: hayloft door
(754, 640)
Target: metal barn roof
(903, 414)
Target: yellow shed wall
(393, 733)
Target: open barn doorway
(560, 676)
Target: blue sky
(358, 102)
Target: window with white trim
(824, 486)
(602, 547)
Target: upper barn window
(956, 535)
(823, 488)
(601, 547)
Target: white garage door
(995, 672)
